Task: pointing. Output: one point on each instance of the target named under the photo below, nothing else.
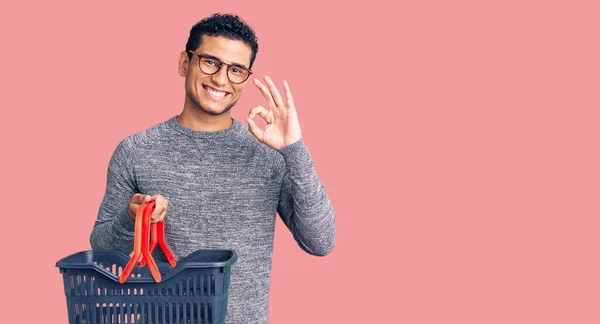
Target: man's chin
(215, 112)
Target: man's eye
(236, 71)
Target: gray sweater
(224, 189)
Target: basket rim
(188, 262)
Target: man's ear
(183, 64)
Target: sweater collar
(175, 125)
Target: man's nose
(220, 78)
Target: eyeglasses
(211, 65)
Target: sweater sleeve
(303, 204)
(114, 229)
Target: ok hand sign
(283, 127)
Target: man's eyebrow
(234, 64)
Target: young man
(218, 183)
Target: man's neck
(195, 119)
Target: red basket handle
(137, 243)
(163, 244)
(146, 242)
(142, 247)
(158, 237)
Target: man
(218, 183)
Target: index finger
(140, 198)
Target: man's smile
(214, 94)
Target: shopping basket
(194, 292)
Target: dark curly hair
(226, 25)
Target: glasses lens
(209, 66)
(238, 74)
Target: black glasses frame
(220, 66)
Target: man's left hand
(283, 127)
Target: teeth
(218, 94)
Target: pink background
(457, 140)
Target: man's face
(216, 94)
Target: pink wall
(458, 142)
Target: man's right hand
(160, 209)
